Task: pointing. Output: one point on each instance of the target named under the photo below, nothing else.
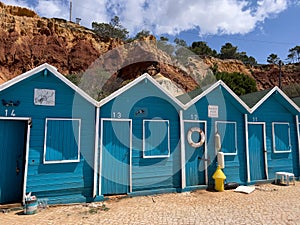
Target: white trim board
(182, 150)
(235, 138)
(15, 118)
(78, 141)
(26, 161)
(219, 83)
(101, 151)
(298, 136)
(264, 146)
(274, 135)
(96, 152)
(54, 71)
(144, 138)
(205, 146)
(274, 90)
(141, 78)
(247, 147)
(28, 119)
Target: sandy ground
(268, 204)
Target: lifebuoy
(189, 137)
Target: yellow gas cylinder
(219, 178)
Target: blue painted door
(195, 160)
(12, 160)
(256, 152)
(115, 157)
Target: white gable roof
(54, 71)
(275, 89)
(133, 83)
(210, 89)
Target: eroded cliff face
(228, 65)
(27, 41)
(115, 68)
(266, 76)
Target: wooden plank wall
(65, 182)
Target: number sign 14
(10, 113)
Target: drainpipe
(182, 149)
(247, 147)
(96, 155)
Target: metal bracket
(204, 159)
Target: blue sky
(258, 28)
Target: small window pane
(281, 137)
(227, 132)
(62, 137)
(156, 138)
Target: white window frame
(273, 137)
(144, 144)
(101, 151)
(183, 149)
(235, 138)
(78, 142)
(29, 121)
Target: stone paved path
(268, 204)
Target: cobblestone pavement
(268, 204)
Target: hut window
(156, 139)
(62, 140)
(281, 137)
(228, 136)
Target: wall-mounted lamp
(10, 103)
(140, 112)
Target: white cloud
(210, 16)
(168, 16)
(21, 3)
(90, 11)
(268, 7)
(51, 9)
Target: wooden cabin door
(116, 147)
(257, 161)
(13, 135)
(195, 158)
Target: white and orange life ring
(189, 137)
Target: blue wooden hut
(220, 113)
(297, 102)
(139, 140)
(47, 136)
(273, 135)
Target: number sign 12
(194, 116)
